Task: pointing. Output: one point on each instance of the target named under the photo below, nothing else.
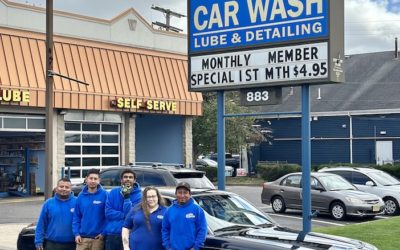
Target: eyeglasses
(151, 197)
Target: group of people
(124, 218)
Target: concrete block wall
(188, 141)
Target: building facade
(135, 107)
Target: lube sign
(225, 24)
(235, 44)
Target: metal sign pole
(306, 160)
(49, 100)
(221, 139)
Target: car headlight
(354, 200)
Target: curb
(21, 200)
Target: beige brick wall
(130, 139)
(59, 147)
(188, 141)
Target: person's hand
(126, 191)
(39, 247)
(99, 237)
(78, 239)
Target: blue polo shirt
(141, 237)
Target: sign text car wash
(262, 43)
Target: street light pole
(49, 101)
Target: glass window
(109, 128)
(15, 123)
(1, 122)
(344, 174)
(72, 138)
(90, 138)
(360, 179)
(36, 124)
(109, 138)
(292, 181)
(72, 161)
(90, 127)
(315, 184)
(91, 150)
(75, 173)
(91, 161)
(109, 161)
(108, 150)
(153, 179)
(110, 178)
(72, 150)
(69, 126)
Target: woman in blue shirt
(142, 226)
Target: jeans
(51, 245)
(114, 242)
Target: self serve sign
(217, 24)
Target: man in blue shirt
(89, 218)
(120, 200)
(54, 227)
(184, 225)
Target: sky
(370, 25)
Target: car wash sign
(250, 43)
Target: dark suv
(153, 175)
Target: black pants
(114, 242)
(51, 245)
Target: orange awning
(112, 72)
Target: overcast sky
(370, 25)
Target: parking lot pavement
(9, 233)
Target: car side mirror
(319, 188)
(369, 183)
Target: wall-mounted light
(382, 132)
(62, 112)
(344, 126)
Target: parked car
(153, 175)
(330, 194)
(201, 163)
(373, 181)
(229, 161)
(234, 223)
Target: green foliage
(205, 127)
(271, 172)
(383, 234)
(211, 173)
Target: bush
(211, 173)
(271, 172)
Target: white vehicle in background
(205, 162)
(372, 181)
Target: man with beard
(89, 218)
(184, 224)
(120, 200)
(54, 227)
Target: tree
(238, 130)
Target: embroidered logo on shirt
(72, 210)
(190, 216)
(160, 217)
(96, 202)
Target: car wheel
(391, 206)
(278, 204)
(338, 211)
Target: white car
(373, 181)
(205, 162)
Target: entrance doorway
(384, 152)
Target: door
(384, 152)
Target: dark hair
(128, 170)
(64, 179)
(93, 171)
(145, 209)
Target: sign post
(253, 45)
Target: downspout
(351, 137)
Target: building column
(59, 147)
(129, 138)
(188, 141)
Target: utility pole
(48, 190)
(168, 13)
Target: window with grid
(91, 145)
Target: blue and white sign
(226, 24)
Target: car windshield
(384, 179)
(335, 183)
(201, 182)
(226, 211)
(210, 162)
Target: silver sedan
(330, 194)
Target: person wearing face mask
(142, 226)
(119, 202)
(54, 227)
(184, 225)
(89, 217)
